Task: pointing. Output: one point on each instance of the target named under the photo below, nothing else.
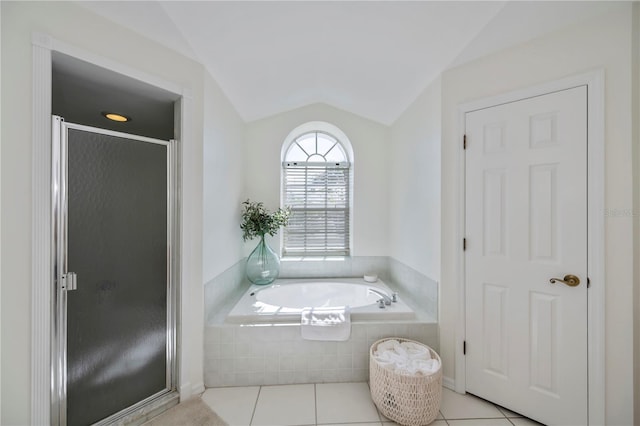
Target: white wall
(371, 166)
(602, 42)
(69, 23)
(385, 222)
(636, 203)
(0, 228)
(223, 185)
(414, 199)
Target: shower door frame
(59, 169)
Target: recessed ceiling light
(116, 117)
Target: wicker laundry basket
(410, 400)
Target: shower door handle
(69, 281)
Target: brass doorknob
(570, 280)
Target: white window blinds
(316, 186)
(318, 195)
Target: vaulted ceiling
(371, 58)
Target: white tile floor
(340, 404)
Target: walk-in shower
(115, 272)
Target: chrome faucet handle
(394, 296)
(381, 303)
(382, 294)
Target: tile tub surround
(276, 354)
(224, 291)
(336, 267)
(415, 286)
(265, 354)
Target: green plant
(258, 221)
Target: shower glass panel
(118, 320)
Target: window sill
(314, 259)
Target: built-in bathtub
(258, 341)
(283, 301)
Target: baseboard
(185, 391)
(197, 389)
(449, 383)
(188, 390)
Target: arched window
(316, 175)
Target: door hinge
(464, 347)
(464, 142)
(464, 244)
(69, 281)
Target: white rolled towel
(386, 345)
(415, 351)
(405, 358)
(424, 367)
(389, 359)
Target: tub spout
(385, 296)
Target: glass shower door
(119, 318)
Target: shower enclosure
(115, 273)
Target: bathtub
(284, 300)
(256, 338)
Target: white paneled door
(526, 223)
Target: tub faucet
(385, 297)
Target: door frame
(42, 251)
(594, 81)
(60, 152)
